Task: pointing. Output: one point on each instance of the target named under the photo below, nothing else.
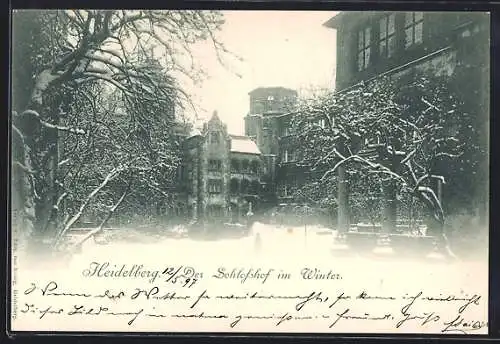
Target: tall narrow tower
(264, 125)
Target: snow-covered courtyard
(281, 250)
(263, 243)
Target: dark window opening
(387, 44)
(245, 165)
(285, 129)
(414, 22)
(234, 186)
(245, 186)
(214, 165)
(284, 190)
(255, 187)
(255, 166)
(364, 48)
(235, 165)
(214, 186)
(215, 211)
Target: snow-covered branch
(110, 176)
(59, 200)
(103, 222)
(52, 126)
(23, 167)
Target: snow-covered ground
(265, 242)
(290, 250)
(274, 242)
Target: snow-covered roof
(273, 89)
(243, 144)
(194, 132)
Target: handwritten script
(135, 297)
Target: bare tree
(401, 133)
(65, 138)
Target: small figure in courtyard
(258, 243)
(250, 216)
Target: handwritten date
(183, 275)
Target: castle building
(269, 124)
(226, 176)
(221, 175)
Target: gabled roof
(244, 144)
(194, 132)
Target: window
(215, 211)
(288, 188)
(284, 155)
(289, 155)
(245, 165)
(214, 165)
(258, 107)
(255, 187)
(214, 186)
(254, 166)
(283, 190)
(214, 138)
(285, 129)
(234, 186)
(364, 48)
(235, 165)
(245, 186)
(387, 44)
(414, 22)
(270, 98)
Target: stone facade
(221, 188)
(221, 173)
(416, 39)
(268, 124)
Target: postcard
(249, 171)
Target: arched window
(235, 165)
(234, 185)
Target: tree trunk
(47, 211)
(390, 209)
(23, 206)
(343, 201)
(39, 191)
